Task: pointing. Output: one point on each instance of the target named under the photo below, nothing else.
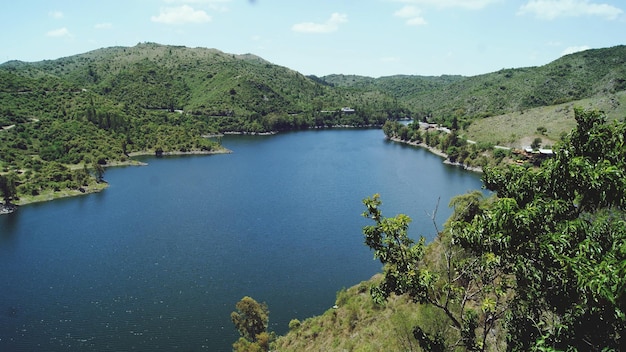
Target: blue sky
(365, 37)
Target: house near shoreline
(544, 152)
(528, 154)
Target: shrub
(294, 324)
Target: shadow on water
(8, 221)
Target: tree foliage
(468, 290)
(448, 141)
(251, 320)
(8, 187)
(560, 231)
(545, 256)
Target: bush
(294, 324)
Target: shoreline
(438, 153)
(98, 187)
(173, 153)
(49, 196)
(66, 193)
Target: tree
(536, 143)
(8, 187)
(560, 232)
(468, 290)
(251, 320)
(98, 169)
(390, 128)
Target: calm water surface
(158, 260)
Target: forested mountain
(398, 86)
(100, 106)
(571, 77)
(245, 91)
(210, 83)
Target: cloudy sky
(365, 37)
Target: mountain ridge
(571, 77)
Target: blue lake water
(157, 261)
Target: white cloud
(574, 49)
(412, 14)
(215, 5)
(61, 32)
(181, 15)
(551, 9)
(105, 25)
(330, 25)
(57, 15)
(466, 4)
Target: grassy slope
(572, 77)
(357, 324)
(518, 129)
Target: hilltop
(223, 88)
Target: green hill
(199, 81)
(102, 105)
(592, 73)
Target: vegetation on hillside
(357, 323)
(550, 123)
(229, 92)
(592, 73)
(56, 134)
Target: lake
(157, 261)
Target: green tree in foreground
(469, 291)
(544, 258)
(560, 232)
(251, 320)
